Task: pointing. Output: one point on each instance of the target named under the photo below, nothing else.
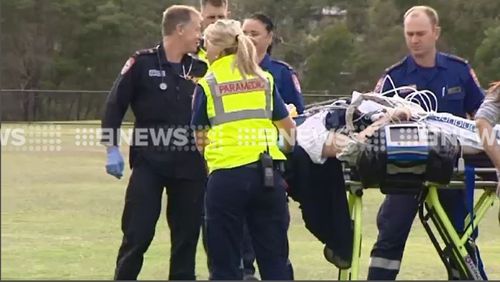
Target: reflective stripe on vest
(384, 263)
(221, 116)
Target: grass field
(61, 220)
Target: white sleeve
(490, 111)
(312, 135)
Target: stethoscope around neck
(163, 85)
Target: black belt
(161, 125)
(278, 165)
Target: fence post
(78, 106)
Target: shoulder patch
(296, 82)
(474, 76)
(456, 58)
(395, 65)
(128, 64)
(283, 63)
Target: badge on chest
(454, 90)
(407, 89)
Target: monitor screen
(405, 134)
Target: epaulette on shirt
(456, 58)
(295, 79)
(131, 61)
(389, 69)
(284, 64)
(146, 51)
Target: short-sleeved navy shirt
(452, 80)
(286, 81)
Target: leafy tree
(329, 60)
(82, 44)
(74, 44)
(487, 56)
(380, 46)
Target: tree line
(335, 45)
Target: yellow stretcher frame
(455, 249)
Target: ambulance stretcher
(451, 246)
(427, 166)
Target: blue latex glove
(114, 163)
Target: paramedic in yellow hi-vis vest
(237, 111)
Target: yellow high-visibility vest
(240, 114)
(202, 55)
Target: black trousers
(141, 212)
(321, 192)
(248, 253)
(233, 196)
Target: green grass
(61, 220)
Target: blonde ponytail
(246, 57)
(228, 35)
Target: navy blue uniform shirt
(160, 94)
(138, 86)
(452, 80)
(200, 116)
(285, 80)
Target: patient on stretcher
(330, 130)
(316, 179)
(334, 132)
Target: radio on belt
(266, 164)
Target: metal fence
(75, 105)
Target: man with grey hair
(157, 84)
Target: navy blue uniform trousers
(394, 221)
(141, 212)
(233, 196)
(249, 254)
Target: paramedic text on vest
(156, 83)
(238, 103)
(458, 92)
